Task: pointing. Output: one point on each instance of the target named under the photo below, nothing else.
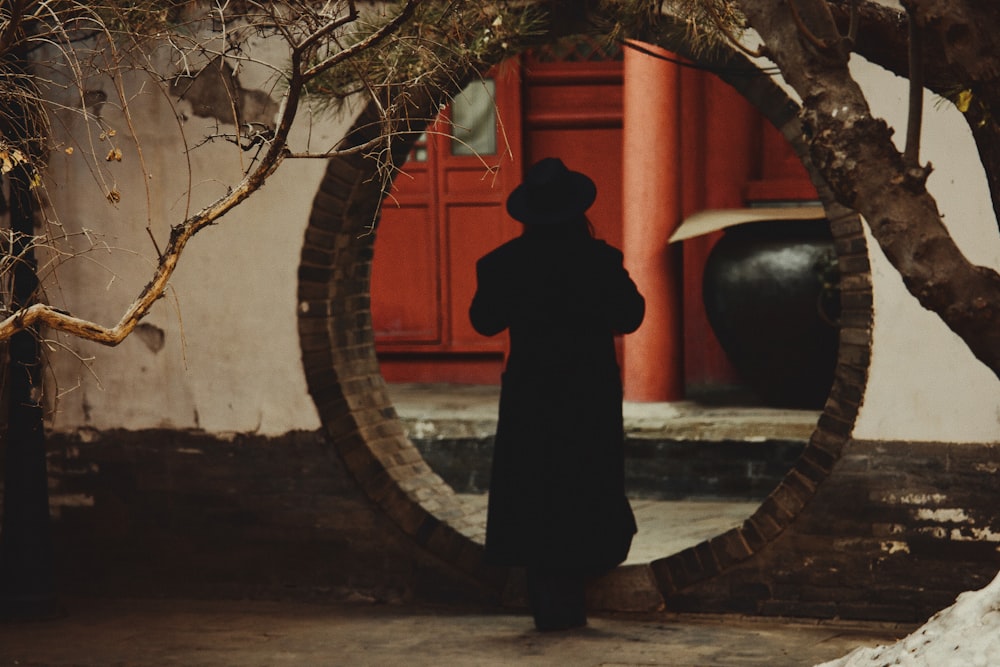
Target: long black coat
(557, 493)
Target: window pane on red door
(474, 120)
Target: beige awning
(706, 222)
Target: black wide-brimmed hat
(551, 194)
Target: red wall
(447, 211)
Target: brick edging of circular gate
(342, 372)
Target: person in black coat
(557, 503)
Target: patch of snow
(966, 634)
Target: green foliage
(443, 39)
(703, 24)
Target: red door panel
(408, 304)
(473, 230)
(450, 213)
(596, 152)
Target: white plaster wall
(924, 384)
(230, 358)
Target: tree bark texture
(27, 588)
(856, 155)
(950, 70)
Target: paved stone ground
(666, 527)
(168, 633)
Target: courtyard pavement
(190, 633)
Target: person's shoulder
(504, 253)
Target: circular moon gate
(338, 355)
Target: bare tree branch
(312, 37)
(911, 154)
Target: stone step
(673, 450)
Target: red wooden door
(573, 110)
(447, 208)
(445, 211)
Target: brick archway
(343, 376)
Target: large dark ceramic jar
(770, 293)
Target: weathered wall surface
(220, 352)
(183, 513)
(190, 460)
(196, 445)
(895, 532)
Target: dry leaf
(964, 100)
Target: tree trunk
(855, 154)
(954, 71)
(26, 562)
(27, 590)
